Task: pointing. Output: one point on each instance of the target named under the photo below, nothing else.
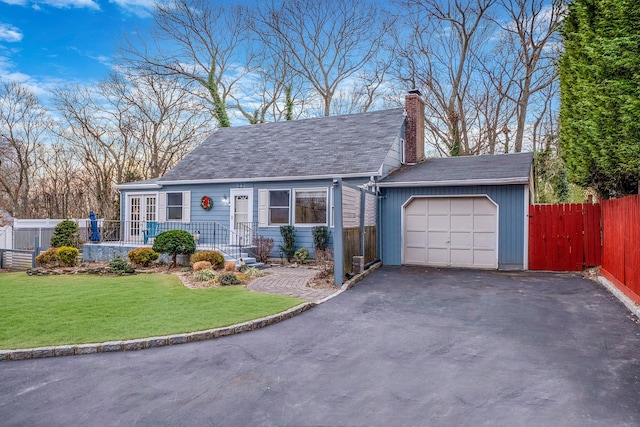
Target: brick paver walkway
(290, 281)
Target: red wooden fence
(564, 237)
(621, 256)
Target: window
(174, 206)
(278, 207)
(311, 206)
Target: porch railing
(208, 235)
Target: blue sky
(48, 42)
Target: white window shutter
(186, 207)
(263, 208)
(162, 207)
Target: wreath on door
(206, 203)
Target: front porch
(117, 238)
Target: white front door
(142, 208)
(241, 216)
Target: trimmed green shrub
(321, 236)
(214, 257)
(142, 256)
(262, 247)
(119, 266)
(68, 256)
(205, 275)
(48, 258)
(288, 246)
(301, 255)
(65, 234)
(228, 279)
(174, 242)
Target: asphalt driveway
(407, 346)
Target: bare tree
(443, 59)
(326, 43)
(198, 41)
(24, 124)
(165, 120)
(99, 128)
(527, 53)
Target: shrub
(65, 234)
(48, 258)
(252, 271)
(143, 256)
(288, 246)
(201, 265)
(174, 242)
(321, 237)
(119, 266)
(230, 266)
(205, 275)
(262, 247)
(301, 255)
(214, 257)
(68, 256)
(323, 256)
(228, 279)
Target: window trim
(327, 206)
(269, 190)
(167, 207)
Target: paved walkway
(290, 281)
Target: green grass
(76, 309)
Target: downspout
(338, 247)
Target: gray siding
(511, 211)
(393, 160)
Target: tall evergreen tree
(600, 95)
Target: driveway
(407, 346)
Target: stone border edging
(151, 342)
(628, 302)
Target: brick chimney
(414, 127)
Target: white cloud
(9, 33)
(141, 8)
(60, 4)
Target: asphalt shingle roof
(467, 168)
(332, 146)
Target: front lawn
(77, 309)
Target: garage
(451, 232)
(468, 212)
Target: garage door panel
(415, 255)
(415, 238)
(461, 239)
(437, 239)
(462, 222)
(438, 256)
(484, 258)
(461, 257)
(461, 206)
(482, 205)
(484, 223)
(484, 240)
(415, 222)
(439, 206)
(451, 231)
(438, 222)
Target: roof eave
(134, 186)
(457, 183)
(268, 179)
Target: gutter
(455, 182)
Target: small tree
(174, 242)
(288, 246)
(65, 234)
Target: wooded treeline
(486, 69)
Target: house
(363, 175)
